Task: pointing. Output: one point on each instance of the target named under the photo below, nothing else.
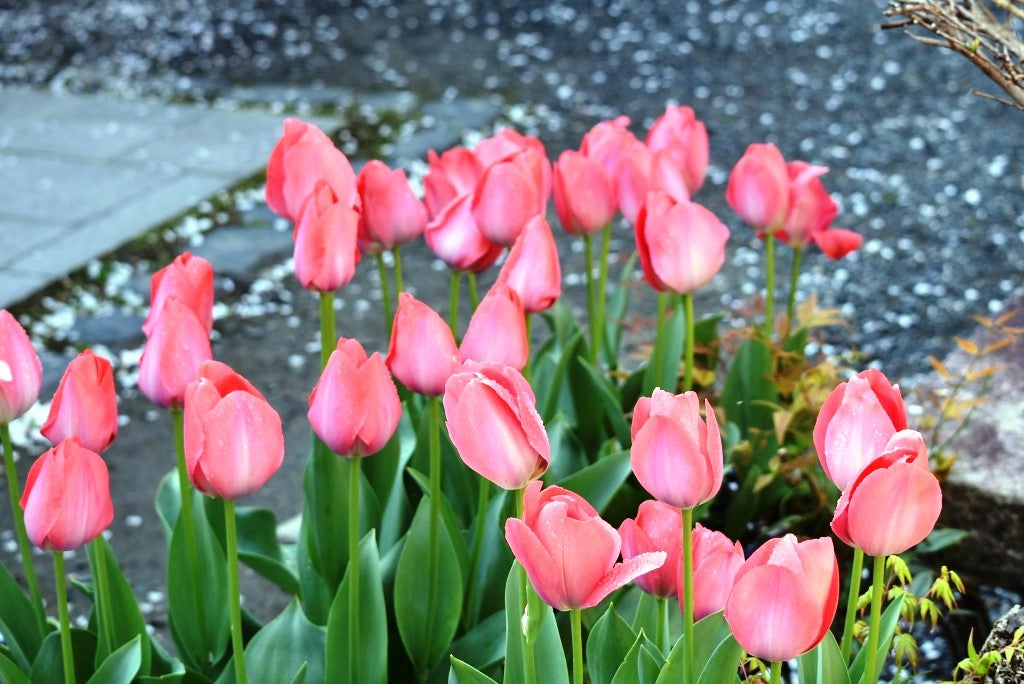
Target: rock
(1011, 671)
(238, 252)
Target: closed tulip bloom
(678, 142)
(856, 423)
(233, 437)
(67, 497)
(391, 214)
(176, 347)
(454, 236)
(21, 372)
(497, 330)
(190, 279)
(492, 419)
(584, 194)
(505, 198)
(354, 407)
(326, 253)
(657, 527)
(811, 209)
(606, 142)
(568, 551)
(532, 268)
(303, 157)
(758, 188)
(681, 244)
(507, 143)
(85, 404)
(634, 180)
(451, 175)
(784, 598)
(835, 243)
(676, 455)
(422, 353)
(892, 505)
(716, 560)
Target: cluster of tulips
(362, 529)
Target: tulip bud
(497, 330)
(190, 279)
(325, 241)
(678, 142)
(176, 346)
(391, 213)
(21, 372)
(758, 187)
(657, 527)
(505, 198)
(422, 353)
(453, 235)
(532, 268)
(584, 194)
(716, 560)
(85, 404)
(451, 175)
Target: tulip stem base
(877, 589)
(776, 676)
(385, 294)
(794, 277)
(234, 591)
(24, 546)
(661, 636)
(355, 480)
(66, 650)
(687, 543)
(577, 646)
(846, 648)
(769, 285)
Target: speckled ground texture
(929, 173)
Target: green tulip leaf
(628, 671)
(722, 665)
(572, 349)
(10, 672)
(168, 502)
(18, 623)
(464, 673)
(610, 640)
(126, 622)
(824, 664)
(618, 305)
(484, 644)
(599, 482)
(428, 591)
(288, 648)
(384, 473)
(890, 619)
(709, 634)
(549, 658)
(601, 388)
(670, 348)
(370, 657)
(122, 665)
(495, 558)
(749, 396)
(49, 665)
(450, 520)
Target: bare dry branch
(981, 30)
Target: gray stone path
(82, 175)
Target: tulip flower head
(676, 455)
(568, 551)
(67, 497)
(326, 252)
(233, 437)
(391, 214)
(784, 598)
(497, 330)
(893, 504)
(177, 345)
(716, 560)
(758, 188)
(354, 407)
(190, 279)
(21, 371)
(492, 419)
(657, 527)
(678, 142)
(584, 194)
(85, 404)
(532, 268)
(856, 423)
(455, 238)
(422, 353)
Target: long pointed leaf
(286, 646)
(371, 659)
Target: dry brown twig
(980, 30)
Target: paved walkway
(82, 175)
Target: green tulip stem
(525, 594)
(483, 497)
(659, 341)
(328, 332)
(588, 249)
(602, 289)
(396, 252)
(453, 303)
(687, 542)
(354, 482)
(385, 293)
(877, 589)
(24, 546)
(661, 638)
(794, 277)
(851, 604)
(576, 617)
(776, 673)
(434, 576)
(474, 291)
(690, 342)
(65, 620)
(185, 513)
(102, 589)
(769, 286)
(234, 590)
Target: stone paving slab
(80, 175)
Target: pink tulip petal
(856, 434)
(893, 509)
(589, 549)
(244, 445)
(544, 573)
(668, 462)
(775, 630)
(622, 574)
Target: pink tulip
(21, 372)
(532, 268)
(325, 242)
(811, 210)
(634, 179)
(190, 279)
(568, 551)
(716, 560)
(303, 157)
(856, 423)
(451, 175)
(784, 598)
(391, 213)
(893, 504)
(177, 345)
(657, 527)
(497, 330)
(606, 142)
(681, 244)
(678, 142)
(67, 497)
(676, 456)
(233, 437)
(507, 143)
(422, 353)
(85, 404)
(505, 198)
(837, 242)
(454, 236)
(584, 194)
(354, 407)
(492, 419)
(758, 188)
